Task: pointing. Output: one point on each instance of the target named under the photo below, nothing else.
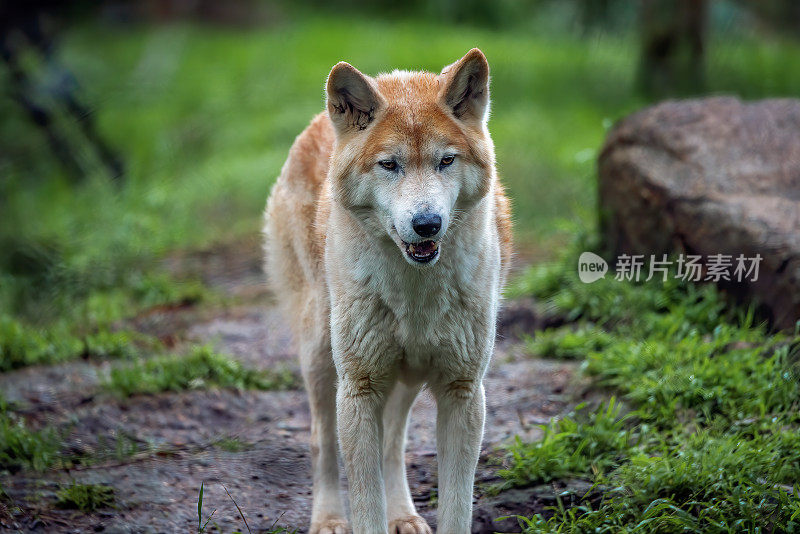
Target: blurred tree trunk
(48, 92)
(673, 47)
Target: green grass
(23, 447)
(22, 345)
(568, 343)
(85, 327)
(576, 445)
(7, 506)
(202, 368)
(232, 444)
(709, 440)
(85, 497)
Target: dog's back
(295, 226)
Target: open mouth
(422, 252)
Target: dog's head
(412, 150)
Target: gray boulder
(711, 176)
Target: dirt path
(255, 443)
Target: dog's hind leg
(403, 517)
(319, 375)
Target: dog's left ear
(465, 87)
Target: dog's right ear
(465, 87)
(353, 98)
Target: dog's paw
(332, 525)
(412, 524)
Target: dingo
(388, 240)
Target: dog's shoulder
(309, 157)
(296, 209)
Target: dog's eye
(388, 164)
(446, 161)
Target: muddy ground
(253, 443)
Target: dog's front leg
(459, 430)
(359, 403)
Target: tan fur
(367, 317)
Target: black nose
(426, 224)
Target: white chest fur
(435, 316)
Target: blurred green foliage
(204, 117)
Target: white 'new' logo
(591, 267)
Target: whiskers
(456, 220)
